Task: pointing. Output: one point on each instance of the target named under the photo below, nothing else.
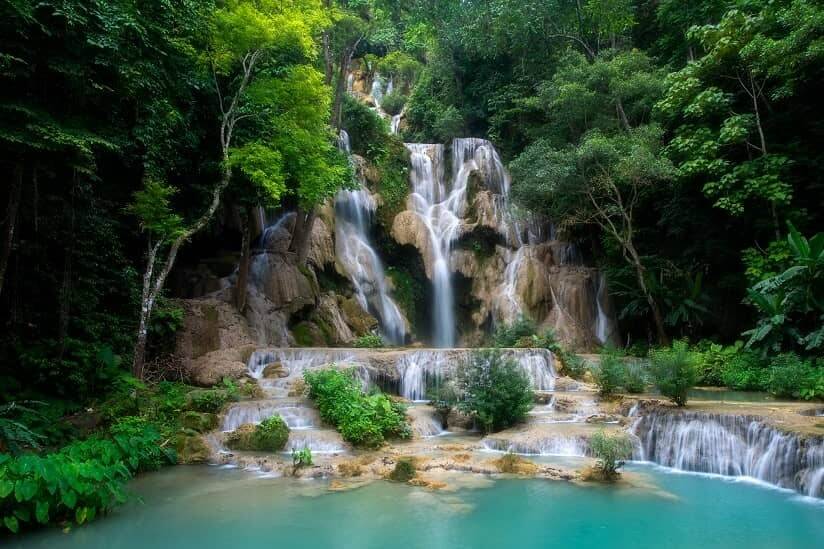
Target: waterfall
(732, 445)
(377, 90)
(550, 445)
(395, 125)
(354, 210)
(601, 322)
(440, 214)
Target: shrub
(610, 451)
(404, 470)
(494, 390)
(209, 400)
(393, 103)
(745, 370)
(15, 434)
(792, 377)
(443, 398)
(363, 420)
(635, 379)
(574, 365)
(270, 435)
(674, 371)
(508, 335)
(369, 341)
(609, 374)
(301, 458)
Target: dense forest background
(678, 143)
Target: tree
(720, 105)
(247, 41)
(493, 389)
(610, 451)
(602, 182)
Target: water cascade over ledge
(732, 445)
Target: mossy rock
(208, 400)
(191, 448)
(270, 436)
(404, 470)
(201, 422)
(307, 334)
(359, 320)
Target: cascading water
(353, 218)
(377, 90)
(732, 445)
(602, 321)
(395, 125)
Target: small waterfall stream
(354, 210)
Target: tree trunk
(301, 237)
(245, 257)
(653, 305)
(11, 221)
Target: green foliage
(404, 470)
(793, 377)
(393, 103)
(301, 458)
(609, 374)
(79, 482)
(393, 168)
(271, 434)
(15, 435)
(674, 371)
(610, 451)
(493, 389)
(508, 335)
(790, 304)
(209, 400)
(363, 420)
(369, 341)
(367, 130)
(407, 291)
(635, 377)
(443, 398)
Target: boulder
(309, 334)
(275, 370)
(360, 321)
(331, 319)
(200, 422)
(191, 448)
(321, 245)
(210, 369)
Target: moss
(408, 291)
(307, 334)
(200, 422)
(191, 448)
(404, 470)
(515, 464)
(394, 182)
(270, 436)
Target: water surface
(204, 507)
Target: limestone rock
(210, 325)
(201, 422)
(331, 318)
(359, 320)
(321, 245)
(210, 369)
(275, 370)
(409, 229)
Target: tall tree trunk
(11, 220)
(245, 258)
(653, 305)
(301, 237)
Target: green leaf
(12, 524)
(25, 489)
(69, 498)
(6, 488)
(41, 511)
(81, 514)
